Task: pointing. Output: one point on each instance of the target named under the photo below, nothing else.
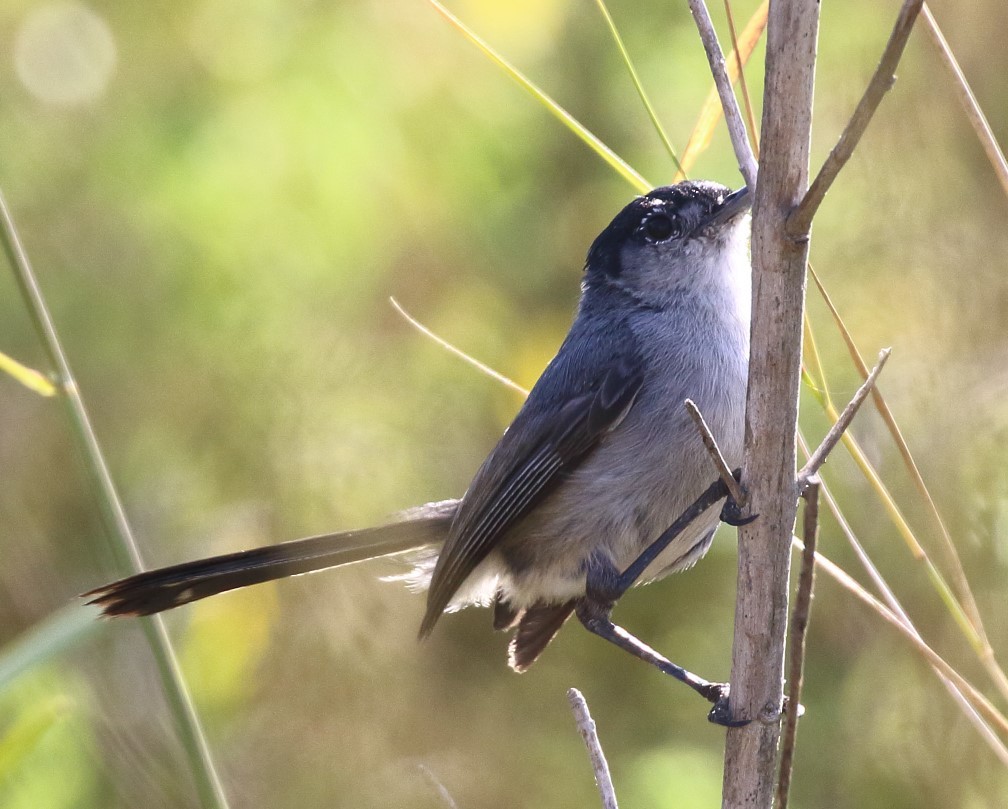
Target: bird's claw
(720, 714)
(732, 513)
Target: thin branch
(800, 219)
(976, 116)
(458, 352)
(733, 117)
(586, 726)
(799, 628)
(124, 546)
(714, 450)
(837, 430)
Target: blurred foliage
(219, 197)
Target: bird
(601, 481)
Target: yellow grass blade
(743, 89)
(710, 113)
(28, 377)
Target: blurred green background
(219, 198)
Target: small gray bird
(572, 505)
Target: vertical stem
(124, 546)
(772, 407)
(802, 610)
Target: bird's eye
(660, 227)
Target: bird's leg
(605, 585)
(625, 580)
(594, 611)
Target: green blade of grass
(608, 155)
(123, 545)
(811, 357)
(810, 383)
(47, 638)
(638, 86)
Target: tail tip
(427, 624)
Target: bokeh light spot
(65, 54)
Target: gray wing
(579, 398)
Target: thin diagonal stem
(124, 546)
(976, 116)
(717, 458)
(711, 111)
(638, 86)
(885, 74)
(483, 368)
(840, 427)
(623, 168)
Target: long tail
(157, 590)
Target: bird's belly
(614, 506)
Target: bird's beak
(736, 203)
